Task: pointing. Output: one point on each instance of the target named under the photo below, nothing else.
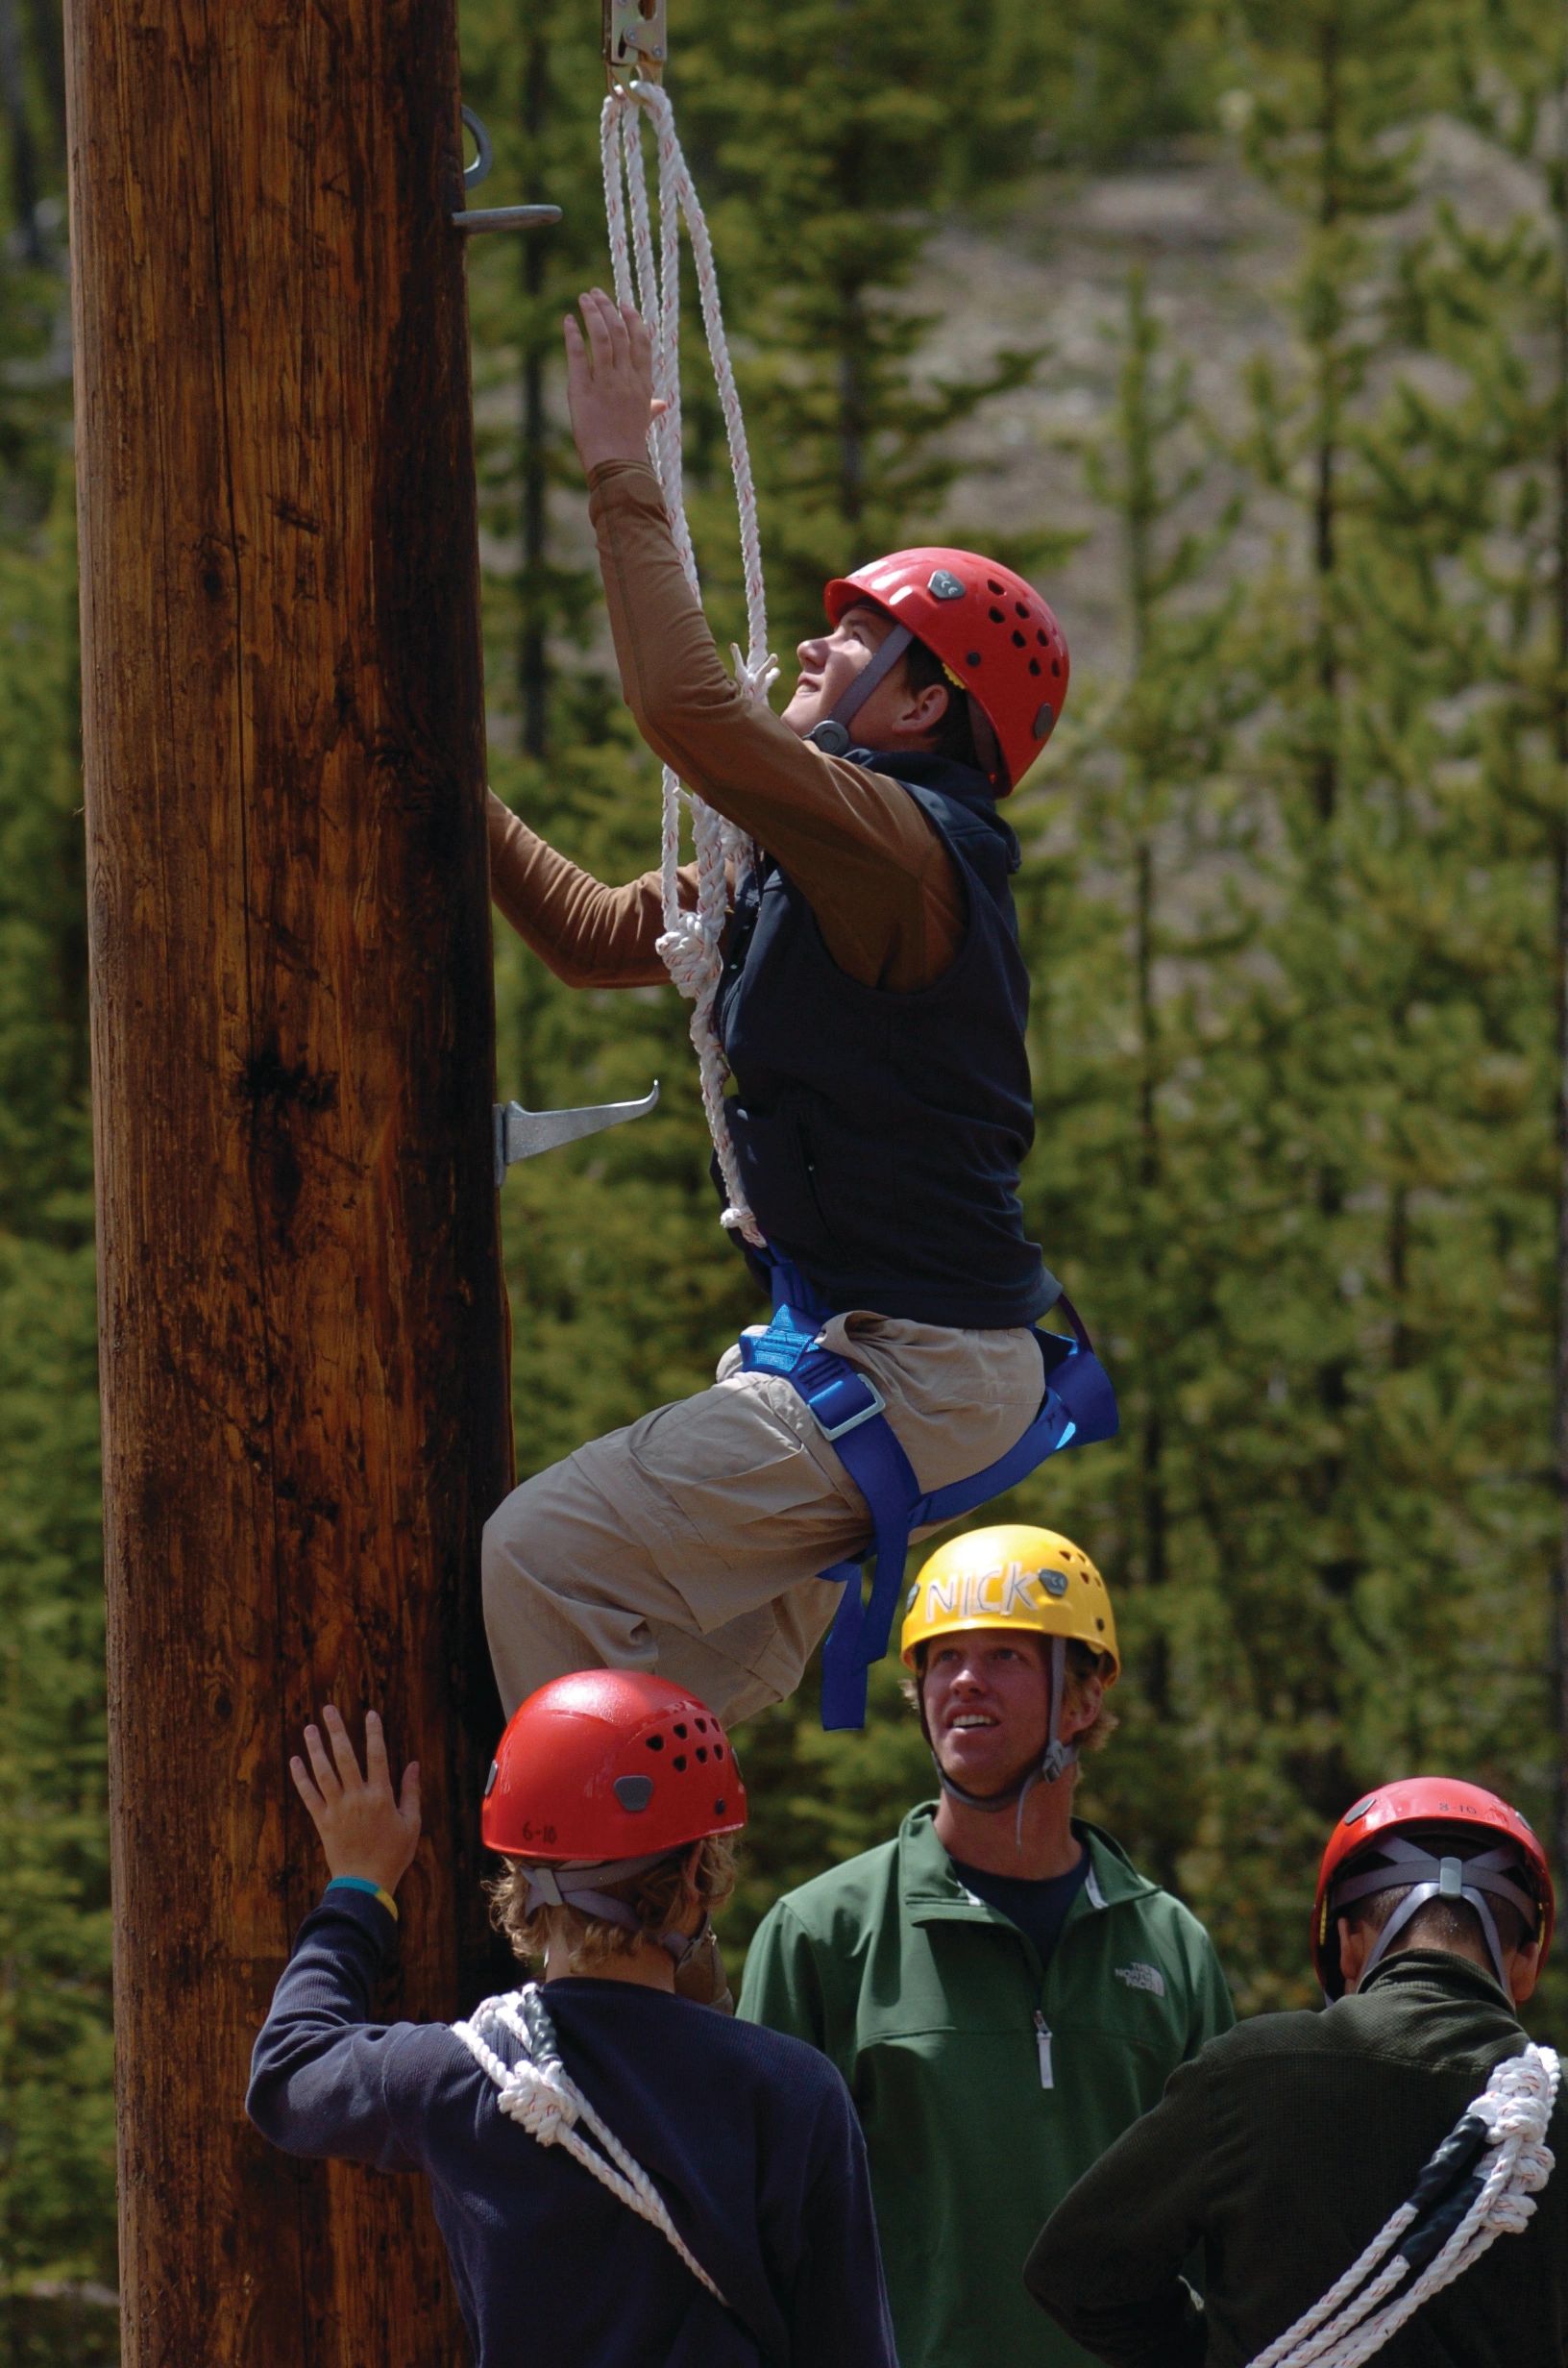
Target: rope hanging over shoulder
(537, 2092)
(1461, 2204)
(651, 279)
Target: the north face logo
(1137, 1976)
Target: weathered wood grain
(292, 1031)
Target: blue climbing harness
(1077, 1408)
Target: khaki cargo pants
(690, 1541)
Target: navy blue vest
(879, 1135)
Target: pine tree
(57, 2145)
(1490, 299)
(839, 137)
(1126, 923)
(1368, 1408)
(56, 2152)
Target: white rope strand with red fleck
(1354, 2319)
(537, 2093)
(690, 943)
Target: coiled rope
(538, 2094)
(1356, 2318)
(649, 277)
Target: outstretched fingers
(306, 1787)
(377, 1775)
(596, 328)
(328, 1783)
(344, 1757)
(609, 379)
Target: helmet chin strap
(578, 1886)
(832, 734)
(1057, 1758)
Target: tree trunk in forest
(303, 1394)
(533, 650)
(24, 157)
(1558, 1644)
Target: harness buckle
(851, 1422)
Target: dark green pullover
(985, 2082)
(1281, 2151)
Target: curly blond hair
(655, 1899)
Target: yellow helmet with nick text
(1011, 1576)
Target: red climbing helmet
(1393, 1838)
(610, 1764)
(989, 629)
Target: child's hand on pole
(363, 1830)
(609, 381)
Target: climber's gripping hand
(609, 381)
(364, 1830)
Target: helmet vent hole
(1056, 665)
(1020, 609)
(992, 586)
(1044, 639)
(701, 1726)
(974, 659)
(1019, 642)
(718, 1751)
(681, 1732)
(656, 1743)
(996, 616)
(1033, 665)
(701, 1751)
(719, 1808)
(678, 1763)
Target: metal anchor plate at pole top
(522, 1134)
(636, 40)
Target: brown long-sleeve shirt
(884, 890)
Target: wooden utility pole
(304, 1402)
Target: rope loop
(649, 277)
(536, 2091)
(1356, 2318)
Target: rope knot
(742, 1221)
(686, 952)
(532, 2099)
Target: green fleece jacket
(1281, 2153)
(984, 2085)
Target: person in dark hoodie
(872, 1012)
(1283, 2150)
(621, 2177)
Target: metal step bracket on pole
(495, 217)
(522, 1134)
(636, 40)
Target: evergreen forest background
(1244, 331)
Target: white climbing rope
(1356, 2318)
(649, 277)
(537, 2092)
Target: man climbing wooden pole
(304, 1390)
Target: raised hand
(609, 381)
(364, 1830)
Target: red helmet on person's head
(610, 1764)
(1422, 1808)
(989, 629)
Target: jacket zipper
(1042, 2048)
